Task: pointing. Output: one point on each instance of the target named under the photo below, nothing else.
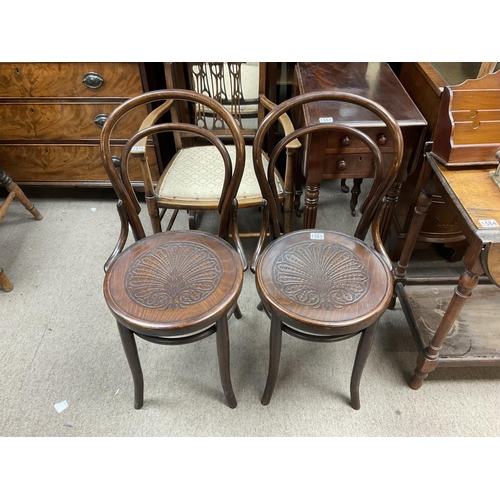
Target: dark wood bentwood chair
(173, 287)
(15, 192)
(321, 285)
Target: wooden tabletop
(476, 194)
(374, 80)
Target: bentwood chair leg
(130, 348)
(224, 362)
(364, 348)
(274, 358)
(237, 312)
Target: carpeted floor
(59, 344)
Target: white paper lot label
(489, 223)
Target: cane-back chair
(172, 287)
(15, 193)
(322, 285)
(193, 178)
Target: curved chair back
(128, 204)
(383, 177)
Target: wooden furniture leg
(130, 348)
(364, 348)
(12, 187)
(428, 360)
(15, 192)
(424, 201)
(311, 205)
(4, 282)
(355, 192)
(224, 362)
(274, 358)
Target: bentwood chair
(193, 178)
(15, 193)
(321, 285)
(173, 287)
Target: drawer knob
(341, 165)
(92, 80)
(346, 141)
(117, 161)
(382, 139)
(100, 120)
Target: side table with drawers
(51, 116)
(335, 156)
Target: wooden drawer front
(62, 121)
(66, 79)
(348, 166)
(339, 142)
(64, 163)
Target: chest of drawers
(51, 116)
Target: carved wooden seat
(15, 192)
(174, 287)
(318, 284)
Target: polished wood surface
(321, 285)
(65, 164)
(460, 336)
(29, 80)
(172, 287)
(336, 155)
(51, 117)
(468, 127)
(44, 122)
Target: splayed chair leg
(274, 359)
(364, 348)
(224, 361)
(130, 348)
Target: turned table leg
(311, 205)
(428, 360)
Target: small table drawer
(348, 143)
(65, 163)
(351, 166)
(58, 121)
(70, 80)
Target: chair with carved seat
(172, 287)
(193, 178)
(322, 285)
(15, 193)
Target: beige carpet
(59, 343)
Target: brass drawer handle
(92, 80)
(100, 120)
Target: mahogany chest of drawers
(51, 116)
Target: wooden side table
(333, 156)
(452, 325)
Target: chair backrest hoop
(382, 181)
(163, 95)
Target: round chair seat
(174, 283)
(321, 280)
